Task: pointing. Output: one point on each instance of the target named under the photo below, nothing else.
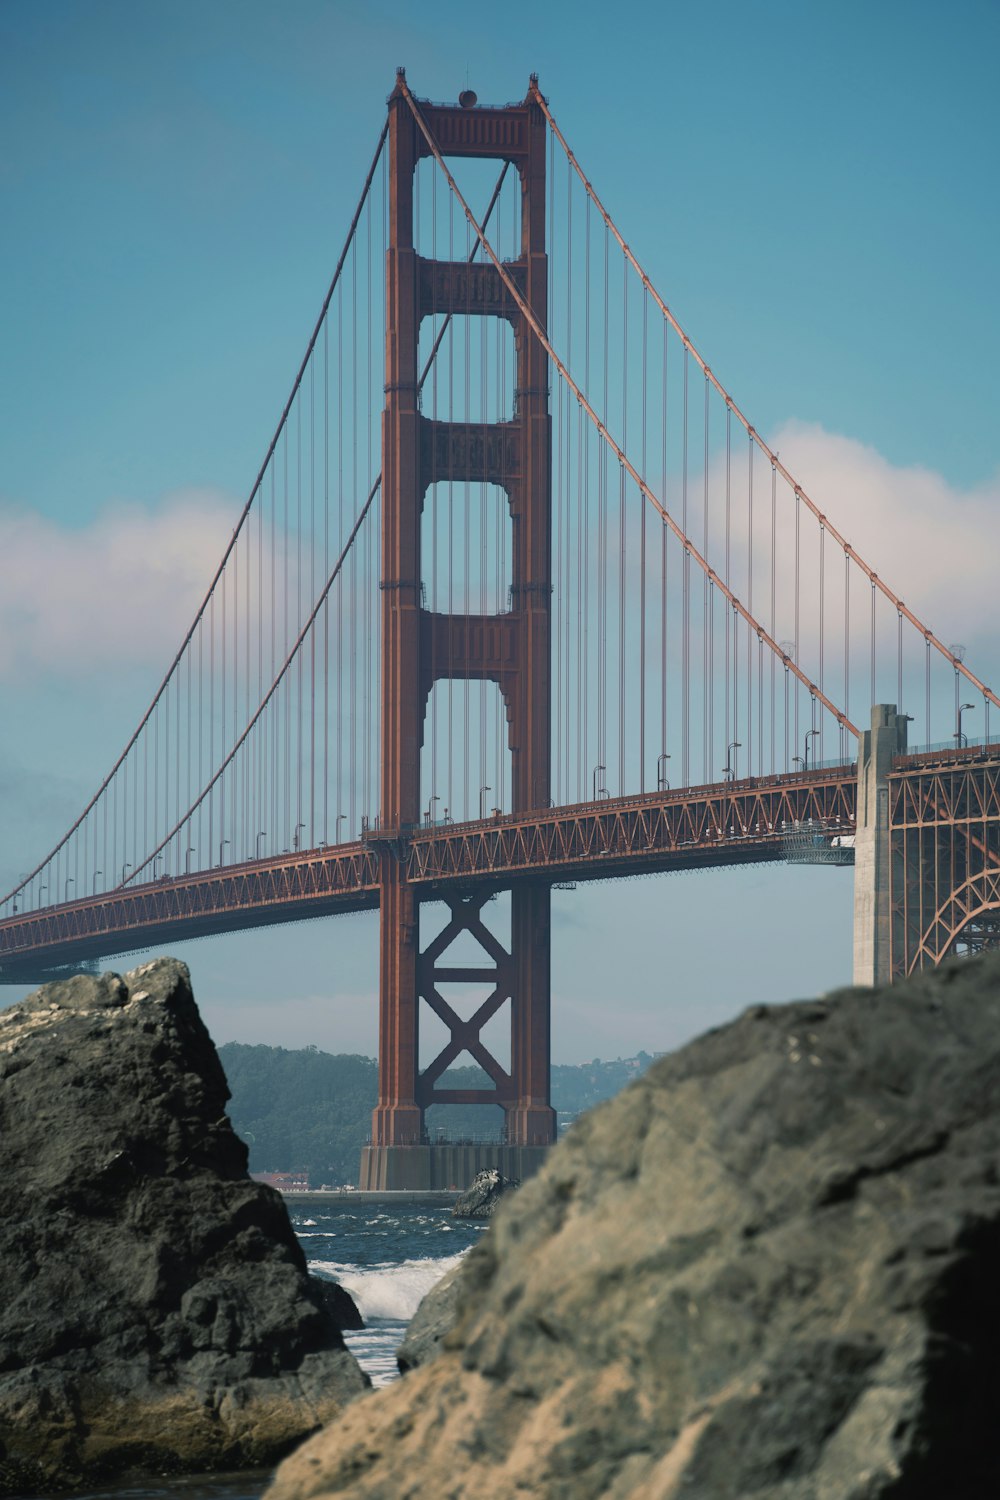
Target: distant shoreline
(357, 1195)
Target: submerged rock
(767, 1269)
(484, 1195)
(157, 1310)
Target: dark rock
(338, 1302)
(484, 1195)
(429, 1324)
(158, 1314)
(767, 1270)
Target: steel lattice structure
(944, 821)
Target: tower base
(440, 1167)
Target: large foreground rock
(769, 1269)
(156, 1311)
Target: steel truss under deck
(944, 821)
(736, 823)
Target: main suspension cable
(602, 430)
(752, 432)
(230, 546)
(307, 626)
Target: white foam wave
(388, 1291)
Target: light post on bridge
(296, 836)
(341, 818)
(69, 881)
(729, 769)
(429, 814)
(662, 784)
(222, 846)
(482, 805)
(810, 734)
(261, 835)
(603, 788)
(962, 740)
(96, 873)
(187, 858)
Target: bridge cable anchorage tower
(420, 646)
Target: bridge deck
(729, 823)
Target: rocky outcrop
(157, 1311)
(432, 1320)
(484, 1195)
(767, 1270)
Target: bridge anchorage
(526, 603)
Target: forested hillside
(311, 1110)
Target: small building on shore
(285, 1182)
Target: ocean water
(387, 1256)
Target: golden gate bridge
(519, 596)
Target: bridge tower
(420, 647)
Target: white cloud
(931, 541)
(117, 592)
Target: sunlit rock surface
(157, 1313)
(768, 1269)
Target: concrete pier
(444, 1166)
(872, 915)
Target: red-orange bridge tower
(420, 647)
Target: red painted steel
(944, 873)
(707, 827)
(284, 888)
(729, 823)
(420, 647)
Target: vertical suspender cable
(773, 622)
(873, 645)
(729, 519)
(750, 687)
(326, 574)
(842, 748)
(642, 555)
(706, 692)
(685, 593)
(664, 560)
(585, 468)
(622, 538)
(603, 477)
(353, 767)
(822, 623)
(798, 637)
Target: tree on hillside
(307, 1110)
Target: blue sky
(812, 188)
